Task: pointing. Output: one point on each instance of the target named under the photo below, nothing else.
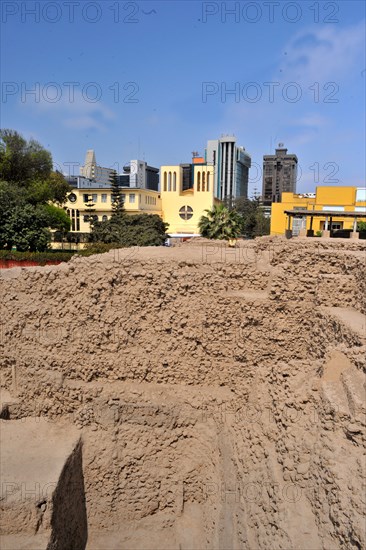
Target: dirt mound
(219, 392)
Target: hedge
(40, 257)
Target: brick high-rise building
(279, 175)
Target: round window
(72, 197)
(186, 212)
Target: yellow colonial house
(328, 209)
(95, 202)
(187, 190)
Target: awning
(324, 213)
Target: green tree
(26, 228)
(57, 218)
(220, 223)
(59, 188)
(27, 186)
(135, 230)
(254, 223)
(118, 209)
(22, 161)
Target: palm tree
(220, 223)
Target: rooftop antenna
(273, 140)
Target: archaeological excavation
(186, 398)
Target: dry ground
(199, 397)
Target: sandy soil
(218, 394)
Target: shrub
(97, 248)
(136, 230)
(40, 257)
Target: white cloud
(312, 121)
(72, 110)
(327, 53)
(314, 55)
(83, 123)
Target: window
(165, 179)
(104, 197)
(199, 181)
(335, 226)
(186, 212)
(208, 181)
(104, 218)
(71, 215)
(174, 181)
(72, 197)
(203, 181)
(132, 197)
(169, 181)
(86, 198)
(94, 197)
(361, 194)
(123, 197)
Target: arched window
(208, 181)
(104, 218)
(203, 181)
(169, 181)
(199, 181)
(174, 181)
(164, 181)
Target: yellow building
(186, 192)
(97, 203)
(330, 208)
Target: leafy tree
(26, 228)
(254, 223)
(10, 197)
(28, 185)
(59, 188)
(57, 218)
(135, 230)
(22, 161)
(116, 196)
(220, 223)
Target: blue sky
(153, 80)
